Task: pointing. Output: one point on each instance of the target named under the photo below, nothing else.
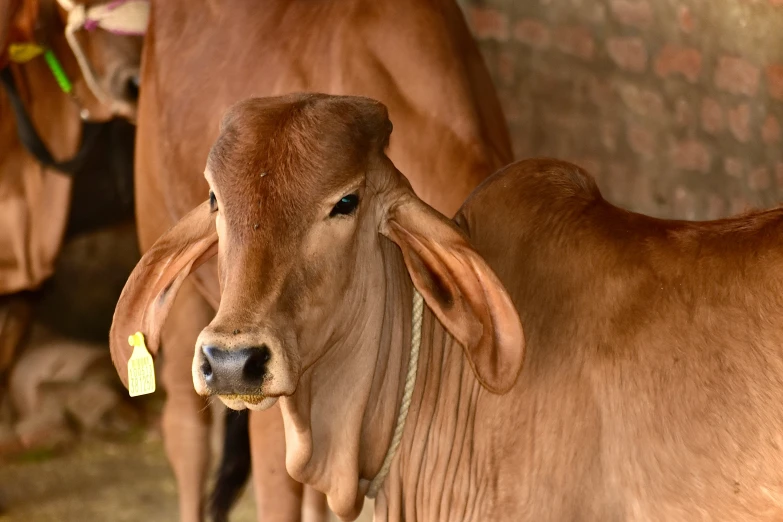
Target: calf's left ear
(149, 292)
(461, 290)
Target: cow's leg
(186, 415)
(314, 507)
(278, 496)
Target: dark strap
(33, 143)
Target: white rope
(410, 382)
(76, 18)
(121, 17)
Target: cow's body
(199, 58)
(646, 384)
(651, 388)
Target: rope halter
(121, 17)
(410, 382)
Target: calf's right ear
(461, 290)
(151, 288)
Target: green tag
(57, 71)
(141, 370)
(24, 52)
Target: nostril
(255, 365)
(206, 366)
(206, 370)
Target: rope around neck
(123, 17)
(410, 381)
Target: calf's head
(306, 210)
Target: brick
(673, 59)
(775, 81)
(734, 167)
(770, 131)
(576, 41)
(684, 203)
(488, 23)
(739, 122)
(642, 101)
(685, 19)
(641, 140)
(737, 76)
(636, 13)
(628, 53)
(759, 178)
(533, 33)
(683, 113)
(712, 116)
(691, 154)
(601, 92)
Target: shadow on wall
(675, 106)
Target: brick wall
(675, 106)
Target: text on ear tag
(24, 52)
(141, 370)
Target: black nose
(228, 372)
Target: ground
(101, 481)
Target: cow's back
(416, 57)
(653, 380)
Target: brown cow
(36, 172)
(653, 376)
(200, 57)
(35, 189)
(35, 193)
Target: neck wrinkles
(337, 438)
(394, 351)
(436, 474)
(326, 451)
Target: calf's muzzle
(236, 371)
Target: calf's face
(295, 190)
(303, 204)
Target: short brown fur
(200, 57)
(651, 388)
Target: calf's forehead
(283, 155)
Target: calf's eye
(346, 206)
(212, 202)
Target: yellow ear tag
(24, 52)
(141, 370)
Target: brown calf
(653, 376)
(201, 57)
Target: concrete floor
(101, 481)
